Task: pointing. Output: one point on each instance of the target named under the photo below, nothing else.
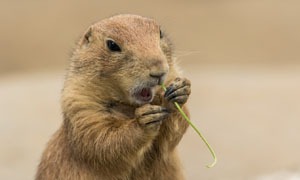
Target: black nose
(158, 75)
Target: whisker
(186, 53)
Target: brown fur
(107, 133)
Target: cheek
(109, 67)
(167, 50)
(132, 70)
(129, 78)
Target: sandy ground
(242, 57)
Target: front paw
(178, 91)
(150, 117)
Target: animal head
(128, 54)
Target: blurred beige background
(243, 58)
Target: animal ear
(87, 37)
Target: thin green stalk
(197, 131)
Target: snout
(159, 70)
(159, 76)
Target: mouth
(144, 95)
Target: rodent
(118, 124)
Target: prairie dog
(118, 124)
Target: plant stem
(197, 131)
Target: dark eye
(160, 34)
(112, 46)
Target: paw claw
(169, 90)
(178, 91)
